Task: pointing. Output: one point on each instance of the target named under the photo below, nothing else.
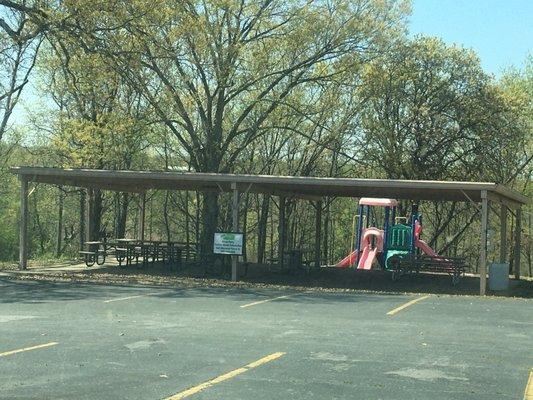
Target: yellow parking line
(40, 346)
(409, 303)
(528, 393)
(265, 301)
(135, 296)
(225, 377)
(125, 298)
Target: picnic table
(96, 253)
(414, 263)
(149, 251)
(128, 251)
(295, 260)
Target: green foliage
(269, 87)
(432, 113)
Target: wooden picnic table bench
(453, 266)
(95, 253)
(149, 251)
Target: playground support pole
(235, 227)
(517, 239)
(142, 215)
(503, 233)
(358, 234)
(318, 231)
(386, 230)
(281, 230)
(23, 226)
(483, 248)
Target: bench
(453, 266)
(92, 257)
(149, 253)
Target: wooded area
(305, 88)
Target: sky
(499, 31)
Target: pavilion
(310, 188)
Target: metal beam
(23, 224)
(483, 244)
(235, 228)
(517, 243)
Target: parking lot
(90, 341)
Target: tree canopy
(300, 87)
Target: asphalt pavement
(90, 341)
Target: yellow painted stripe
(40, 346)
(265, 301)
(225, 377)
(125, 298)
(404, 306)
(135, 296)
(528, 393)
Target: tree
(432, 113)
(101, 122)
(20, 40)
(216, 71)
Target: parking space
(132, 342)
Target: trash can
(498, 276)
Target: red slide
(367, 257)
(366, 260)
(432, 253)
(347, 261)
(425, 248)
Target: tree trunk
(245, 226)
(325, 242)
(197, 224)
(210, 211)
(262, 229)
(96, 205)
(187, 226)
(59, 223)
(165, 215)
(82, 219)
(122, 214)
(37, 220)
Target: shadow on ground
(261, 276)
(44, 290)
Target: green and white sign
(228, 243)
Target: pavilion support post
(517, 243)
(23, 226)
(503, 233)
(282, 234)
(235, 227)
(483, 244)
(318, 232)
(142, 215)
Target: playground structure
(396, 247)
